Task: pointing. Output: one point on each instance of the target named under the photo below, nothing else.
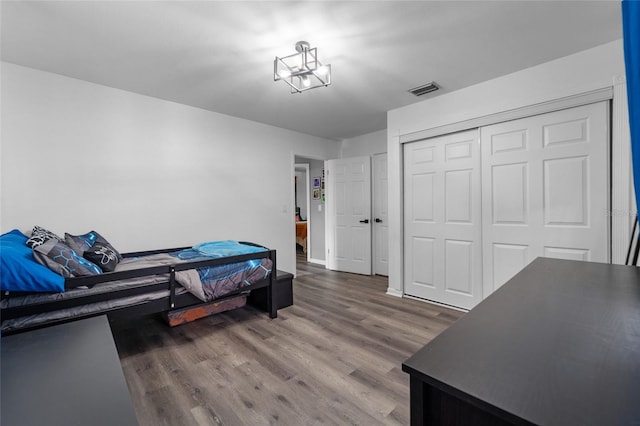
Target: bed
(301, 235)
(148, 282)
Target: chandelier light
(302, 71)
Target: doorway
(311, 205)
(301, 208)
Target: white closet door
(545, 190)
(442, 208)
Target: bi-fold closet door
(442, 219)
(480, 205)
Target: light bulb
(305, 81)
(284, 73)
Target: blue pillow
(20, 272)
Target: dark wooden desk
(559, 344)
(68, 374)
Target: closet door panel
(442, 220)
(458, 196)
(459, 267)
(545, 188)
(510, 200)
(423, 259)
(508, 259)
(566, 191)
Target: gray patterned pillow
(81, 243)
(60, 258)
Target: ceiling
(218, 55)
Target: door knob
(364, 221)
(378, 220)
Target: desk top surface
(557, 344)
(64, 375)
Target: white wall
(368, 144)
(592, 69)
(145, 173)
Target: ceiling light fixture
(302, 71)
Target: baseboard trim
(433, 302)
(393, 292)
(318, 262)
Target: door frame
(292, 202)
(375, 232)
(305, 166)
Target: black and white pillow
(103, 255)
(101, 239)
(40, 236)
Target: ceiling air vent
(425, 88)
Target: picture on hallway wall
(316, 193)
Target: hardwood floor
(334, 357)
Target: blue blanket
(19, 271)
(226, 248)
(218, 280)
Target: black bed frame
(266, 288)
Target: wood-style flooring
(334, 357)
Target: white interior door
(442, 208)
(545, 190)
(380, 215)
(348, 201)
